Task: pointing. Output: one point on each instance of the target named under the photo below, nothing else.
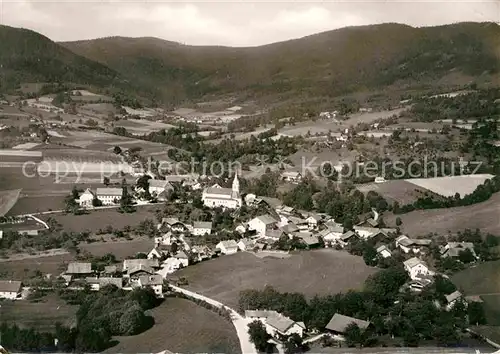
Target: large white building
(109, 196)
(217, 196)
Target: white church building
(216, 196)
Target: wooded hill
(331, 63)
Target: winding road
(240, 323)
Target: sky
(229, 23)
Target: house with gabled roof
(416, 267)
(276, 324)
(227, 247)
(408, 245)
(109, 196)
(79, 269)
(10, 289)
(158, 187)
(159, 251)
(263, 223)
(201, 228)
(339, 323)
(155, 281)
(129, 264)
(384, 252)
(453, 249)
(332, 235)
(246, 244)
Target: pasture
(181, 326)
(120, 248)
(472, 284)
(41, 315)
(483, 280)
(484, 216)
(314, 272)
(394, 190)
(100, 219)
(449, 186)
(141, 126)
(8, 199)
(21, 269)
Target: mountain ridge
(329, 63)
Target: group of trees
(343, 203)
(101, 315)
(409, 316)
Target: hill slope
(333, 62)
(27, 56)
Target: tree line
(408, 316)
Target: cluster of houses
(131, 274)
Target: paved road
(239, 322)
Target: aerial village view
(249, 193)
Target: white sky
(233, 23)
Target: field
(104, 142)
(483, 280)
(314, 272)
(141, 126)
(448, 186)
(37, 193)
(396, 190)
(41, 315)
(20, 269)
(484, 216)
(182, 327)
(100, 219)
(7, 200)
(324, 126)
(121, 249)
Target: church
(216, 196)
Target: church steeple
(236, 184)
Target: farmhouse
(135, 272)
(277, 324)
(308, 239)
(155, 281)
(246, 244)
(313, 221)
(408, 245)
(173, 224)
(109, 196)
(332, 234)
(416, 268)
(339, 323)
(227, 247)
(76, 269)
(201, 228)
(85, 199)
(453, 249)
(384, 252)
(159, 251)
(291, 176)
(158, 187)
(262, 224)
(372, 233)
(10, 289)
(131, 264)
(182, 257)
(217, 196)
